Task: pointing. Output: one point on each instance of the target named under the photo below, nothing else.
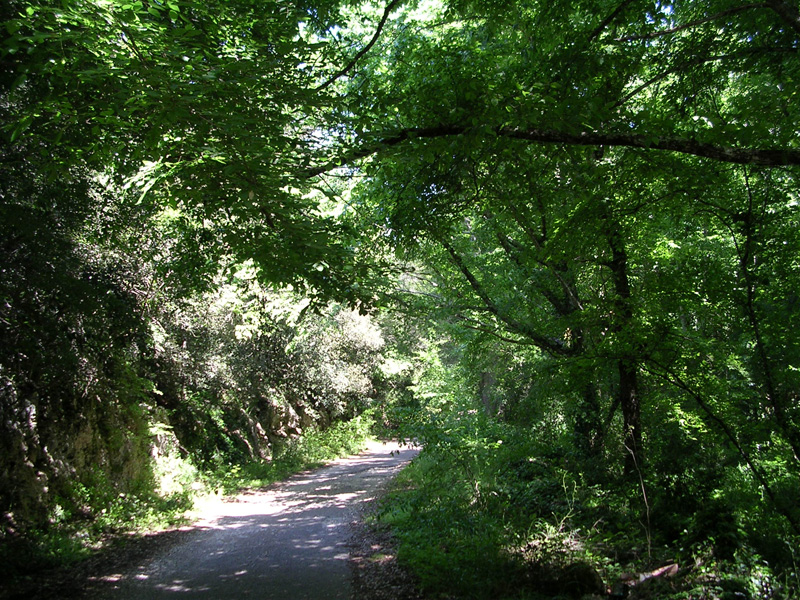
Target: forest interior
(554, 242)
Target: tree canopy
(594, 203)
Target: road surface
(288, 542)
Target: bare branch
(389, 8)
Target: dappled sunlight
(285, 541)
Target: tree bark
(767, 157)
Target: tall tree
(544, 159)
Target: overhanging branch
(765, 157)
(714, 17)
(787, 12)
(605, 22)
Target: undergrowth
(311, 450)
(78, 531)
(492, 511)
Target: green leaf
(12, 27)
(21, 127)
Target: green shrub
(310, 450)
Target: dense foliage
(624, 314)
(574, 224)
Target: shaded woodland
(555, 242)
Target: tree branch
(787, 12)
(562, 306)
(696, 62)
(389, 8)
(713, 17)
(129, 41)
(572, 302)
(466, 322)
(551, 346)
(605, 22)
(765, 157)
(669, 376)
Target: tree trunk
(486, 390)
(588, 429)
(631, 413)
(627, 362)
(775, 398)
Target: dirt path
(288, 542)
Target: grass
(70, 540)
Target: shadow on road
(288, 541)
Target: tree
(146, 146)
(563, 172)
(542, 160)
(205, 109)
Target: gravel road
(287, 542)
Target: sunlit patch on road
(287, 541)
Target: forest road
(286, 542)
